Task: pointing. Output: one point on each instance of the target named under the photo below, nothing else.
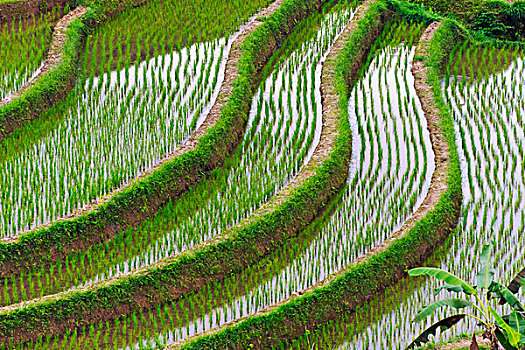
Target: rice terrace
(262, 174)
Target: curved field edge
(183, 169)
(286, 215)
(56, 78)
(387, 263)
(59, 72)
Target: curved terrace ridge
(287, 214)
(363, 279)
(129, 205)
(58, 73)
(13, 111)
(55, 55)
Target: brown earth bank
(191, 279)
(318, 313)
(54, 55)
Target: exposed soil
(464, 344)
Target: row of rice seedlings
(339, 333)
(117, 125)
(23, 47)
(469, 62)
(283, 130)
(140, 330)
(161, 25)
(297, 265)
(488, 113)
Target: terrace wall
(410, 246)
(59, 72)
(285, 216)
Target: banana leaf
(442, 325)
(486, 274)
(514, 286)
(502, 292)
(510, 333)
(448, 287)
(503, 340)
(445, 276)
(517, 322)
(455, 303)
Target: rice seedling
(23, 47)
(115, 124)
(488, 111)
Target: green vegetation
(345, 290)
(155, 322)
(480, 82)
(23, 45)
(139, 133)
(162, 27)
(280, 139)
(300, 204)
(508, 330)
(493, 18)
(326, 171)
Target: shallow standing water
(488, 119)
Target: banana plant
(507, 331)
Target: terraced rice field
(23, 44)
(478, 86)
(283, 129)
(116, 123)
(297, 232)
